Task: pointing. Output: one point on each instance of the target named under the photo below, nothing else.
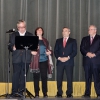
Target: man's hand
(93, 55)
(14, 48)
(90, 55)
(63, 59)
(48, 52)
(34, 53)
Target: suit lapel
(88, 40)
(95, 38)
(26, 34)
(62, 42)
(17, 34)
(68, 41)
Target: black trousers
(18, 79)
(69, 75)
(92, 69)
(43, 73)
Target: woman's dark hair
(38, 29)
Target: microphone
(11, 30)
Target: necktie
(91, 40)
(64, 42)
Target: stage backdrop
(52, 15)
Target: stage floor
(51, 98)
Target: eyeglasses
(21, 27)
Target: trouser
(18, 79)
(43, 73)
(69, 75)
(90, 70)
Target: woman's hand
(34, 53)
(48, 52)
(14, 48)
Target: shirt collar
(66, 38)
(22, 34)
(93, 36)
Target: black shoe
(18, 95)
(11, 95)
(69, 96)
(58, 96)
(36, 95)
(45, 95)
(98, 96)
(86, 96)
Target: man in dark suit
(65, 50)
(18, 59)
(90, 49)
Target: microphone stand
(8, 73)
(25, 89)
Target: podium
(26, 43)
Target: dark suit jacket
(69, 50)
(19, 55)
(85, 47)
